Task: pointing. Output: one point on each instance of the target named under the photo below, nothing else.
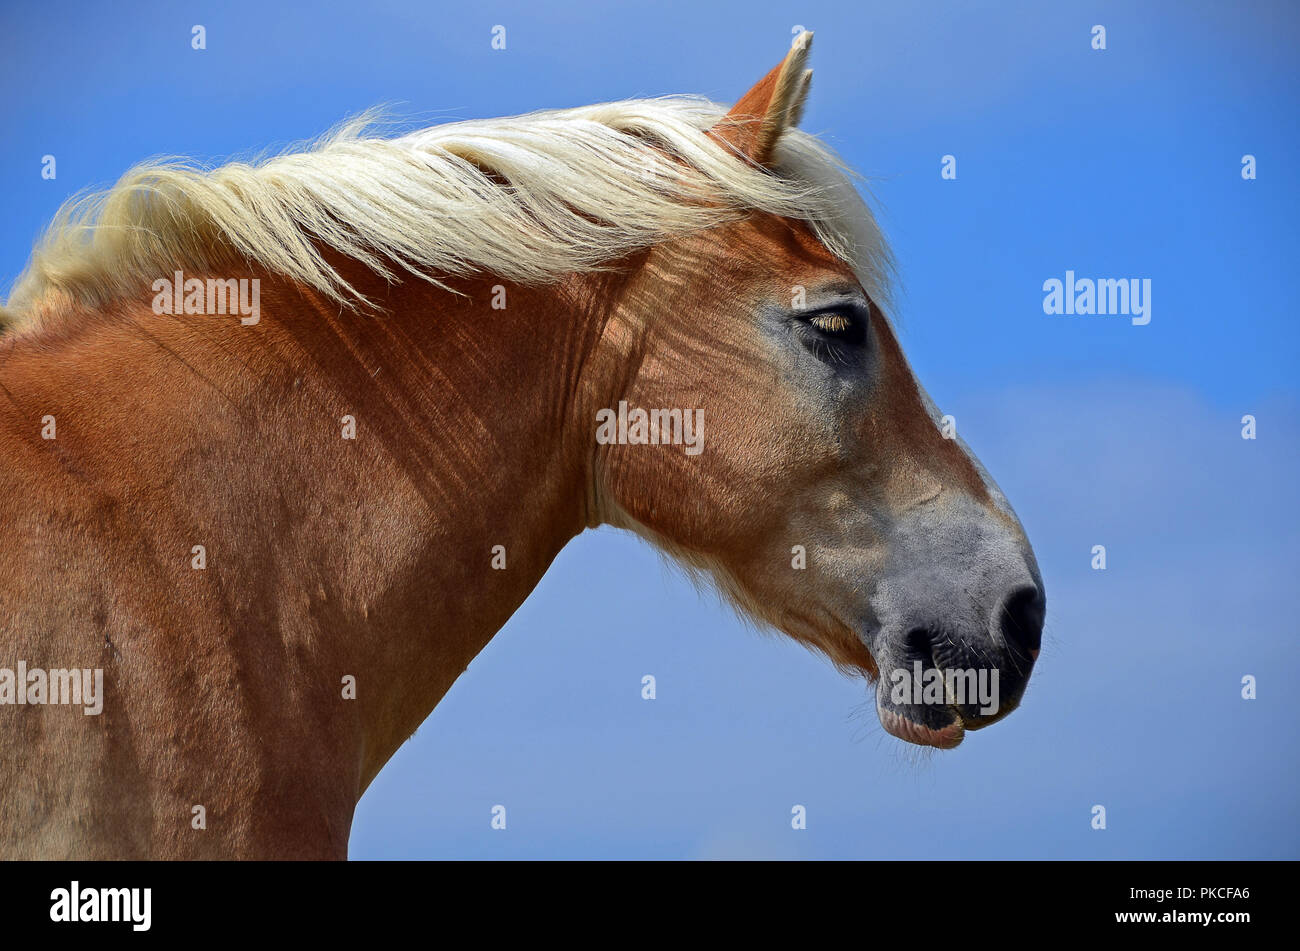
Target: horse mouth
(937, 734)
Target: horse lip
(912, 732)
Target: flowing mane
(529, 198)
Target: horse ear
(774, 104)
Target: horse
(286, 442)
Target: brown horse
(284, 445)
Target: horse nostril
(920, 644)
(1022, 619)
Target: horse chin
(943, 729)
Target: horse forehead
(765, 239)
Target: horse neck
(393, 556)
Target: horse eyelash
(828, 343)
(839, 323)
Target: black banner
(928, 901)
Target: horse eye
(846, 326)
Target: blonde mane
(529, 198)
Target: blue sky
(1117, 163)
